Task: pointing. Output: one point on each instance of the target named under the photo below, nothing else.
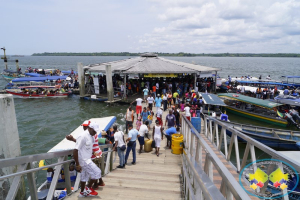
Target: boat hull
(274, 143)
(275, 138)
(254, 116)
(23, 95)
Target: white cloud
(227, 25)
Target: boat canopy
(291, 76)
(10, 71)
(264, 83)
(34, 75)
(104, 124)
(68, 72)
(212, 99)
(250, 100)
(39, 79)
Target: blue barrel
(196, 122)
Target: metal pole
(5, 58)
(216, 81)
(195, 80)
(81, 79)
(125, 94)
(17, 65)
(109, 84)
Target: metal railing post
(67, 176)
(31, 183)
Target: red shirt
(154, 88)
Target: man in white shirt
(119, 144)
(138, 108)
(243, 89)
(187, 112)
(150, 101)
(143, 132)
(157, 88)
(84, 164)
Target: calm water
(42, 123)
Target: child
(138, 123)
(150, 118)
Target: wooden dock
(151, 177)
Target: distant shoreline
(174, 54)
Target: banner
(160, 75)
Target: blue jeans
(121, 155)
(164, 91)
(129, 148)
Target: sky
(192, 26)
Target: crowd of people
(157, 85)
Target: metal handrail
(211, 126)
(251, 143)
(25, 166)
(194, 145)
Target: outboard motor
(295, 115)
(224, 117)
(290, 120)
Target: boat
(295, 84)
(287, 99)
(258, 109)
(38, 92)
(275, 138)
(9, 74)
(104, 124)
(212, 104)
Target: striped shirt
(96, 148)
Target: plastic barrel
(177, 144)
(147, 146)
(196, 122)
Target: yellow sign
(159, 75)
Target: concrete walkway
(151, 177)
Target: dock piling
(110, 89)
(81, 79)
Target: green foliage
(180, 54)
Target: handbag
(123, 148)
(153, 144)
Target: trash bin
(177, 144)
(196, 122)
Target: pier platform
(151, 177)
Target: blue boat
(287, 99)
(290, 82)
(39, 79)
(34, 75)
(278, 139)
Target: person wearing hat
(159, 114)
(97, 153)
(157, 102)
(82, 155)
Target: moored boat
(275, 138)
(104, 124)
(258, 109)
(38, 92)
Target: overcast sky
(195, 26)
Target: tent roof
(251, 100)
(142, 65)
(212, 99)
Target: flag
(279, 114)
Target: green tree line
(180, 54)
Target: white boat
(104, 124)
